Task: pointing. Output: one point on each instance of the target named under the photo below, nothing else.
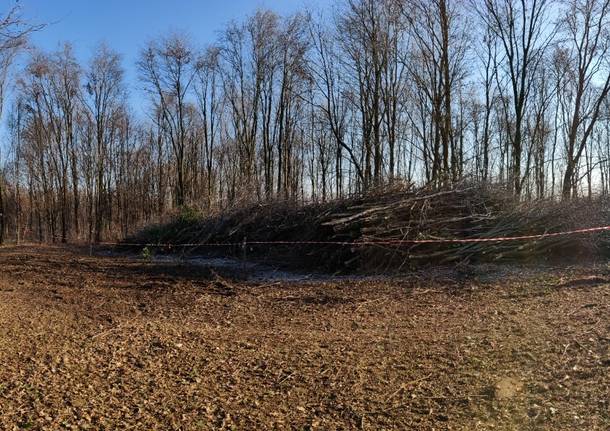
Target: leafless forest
(304, 108)
(377, 215)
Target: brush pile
(398, 214)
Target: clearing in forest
(121, 343)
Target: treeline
(311, 107)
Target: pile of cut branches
(392, 218)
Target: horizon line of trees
(309, 108)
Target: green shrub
(188, 215)
(146, 253)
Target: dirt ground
(111, 343)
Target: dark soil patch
(111, 343)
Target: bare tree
(524, 32)
(14, 31)
(104, 97)
(168, 66)
(586, 23)
(210, 107)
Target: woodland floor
(117, 343)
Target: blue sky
(126, 25)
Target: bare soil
(111, 343)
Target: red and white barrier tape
(368, 243)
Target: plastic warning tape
(366, 243)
